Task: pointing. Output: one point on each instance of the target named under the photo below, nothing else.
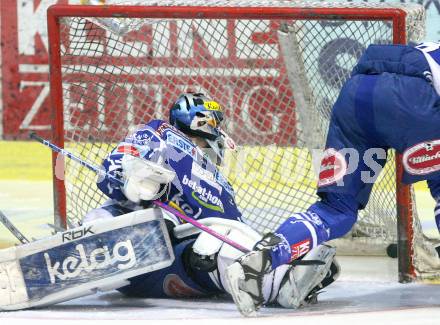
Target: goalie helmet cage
(275, 67)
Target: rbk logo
(76, 234)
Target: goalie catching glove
(143, 179)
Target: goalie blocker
(100, 255)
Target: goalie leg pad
(110, 209)
(252, 283)
(301, 284)
(97, 256)
(12, 287)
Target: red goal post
(84, 44)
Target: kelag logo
(93, 257)
(99, 258)
(203, 196)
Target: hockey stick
(14, 230)
(164, 206)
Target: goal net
(276, 67)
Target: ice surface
(367, 293)
(346, 301)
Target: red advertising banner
(24, 68)
(24, 75)
(26, 93)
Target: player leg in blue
(389, 102)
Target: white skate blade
(243, 301)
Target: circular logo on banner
(333, 167)
(423, 158)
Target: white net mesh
(121, 72)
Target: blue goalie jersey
(199, 189)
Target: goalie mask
(199, 116)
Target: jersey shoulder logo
(142, 137)
(181, 143)
(128, 149)
(333, 167)
(163, 127)
(422, 158)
